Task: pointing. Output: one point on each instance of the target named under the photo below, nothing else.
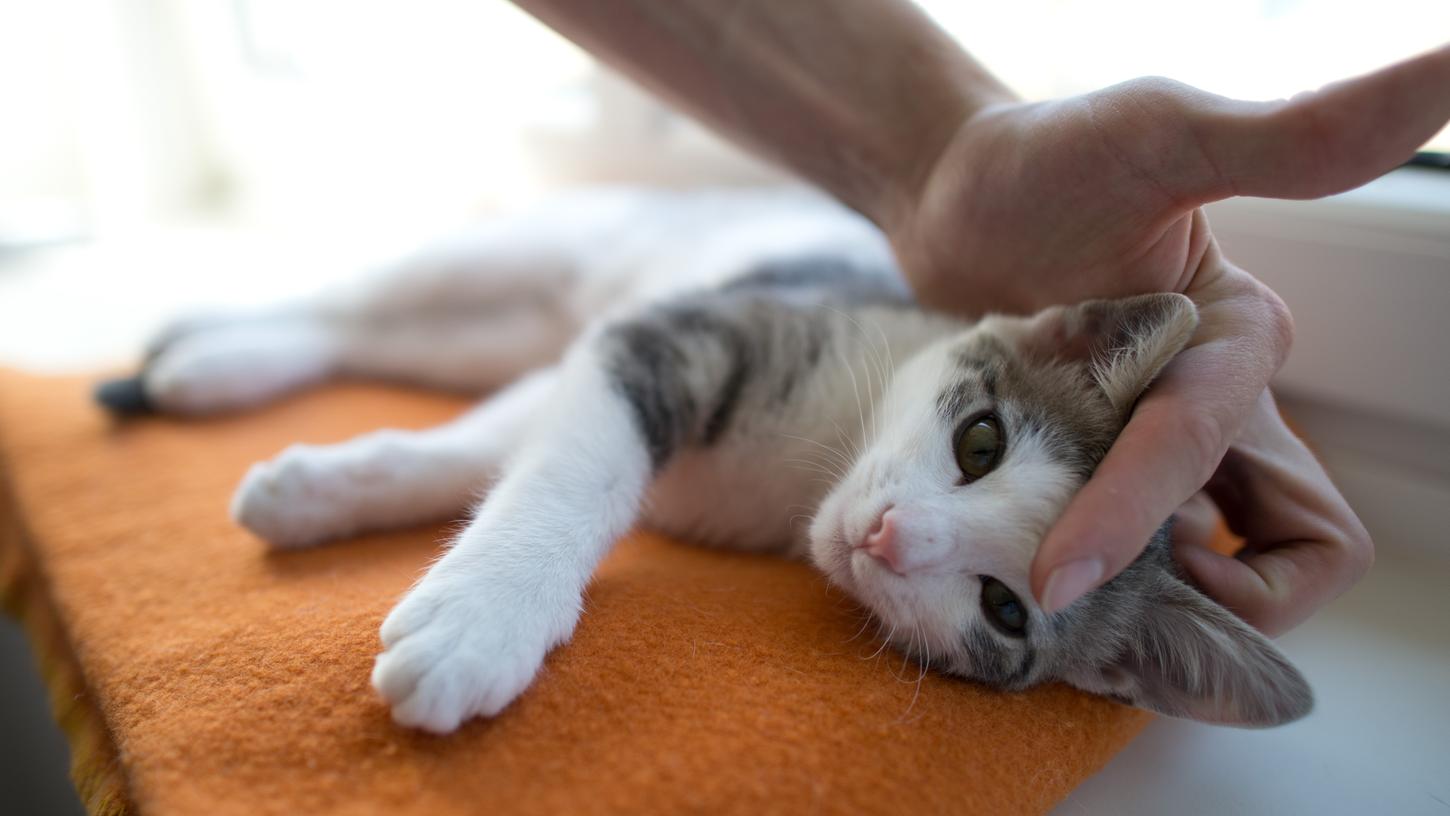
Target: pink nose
(880, 541)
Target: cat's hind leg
(388, 479)
(241, 364)
(469, 314)
(229, 365)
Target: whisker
(856, 392)
(815, 467)
(921, 673)
(884, 642)
(837, 458)
(815, 461)
(906, 653)
(823, 446)
(865, 622)
(925, 664)
(846, 439)
(890, 358)
(874, 358)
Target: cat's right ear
(1126, 341)
(1187, 656)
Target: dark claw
(124, 397)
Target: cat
(711, 363)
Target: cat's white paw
(453, 651)
(301, 498)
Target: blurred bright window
(1250, 49)
(118, 112)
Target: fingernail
(1070, 581)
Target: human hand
(1302, 543)
(1030, 205)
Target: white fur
(310, 494)
(472, 634)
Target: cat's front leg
(472, 634)
(386, 479)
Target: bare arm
(858, 96)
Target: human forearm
(858, 96)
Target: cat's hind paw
(453, 655)
(202, 368)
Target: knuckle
(1123, 107)
(1158, 90)
(1358, 550)
(1278, 321)
(1314, 134)
(1272, 317)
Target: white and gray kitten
(709, 364)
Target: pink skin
(893, 543)
(881, 542)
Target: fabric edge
(95, 768)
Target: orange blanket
(201, 674)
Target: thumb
(1325, 141)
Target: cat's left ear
(1187, 656)
(1126, 341)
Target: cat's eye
(1003, 608)
(979, 447)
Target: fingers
(1175, 438)
(1305, 544)
(1323, 142)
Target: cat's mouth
(863, 563)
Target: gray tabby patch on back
(690, 366)
(824, 279)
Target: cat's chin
(871, 584)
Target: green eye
(1002, 608)
(979, 447)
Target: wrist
(928, 143)
(926, 204)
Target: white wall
(1367, 276)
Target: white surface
(1378, 741)
(1367, 276)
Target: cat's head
(978, 445)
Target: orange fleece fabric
(228, 679)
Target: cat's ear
(1187, 656)
(1126, 341)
